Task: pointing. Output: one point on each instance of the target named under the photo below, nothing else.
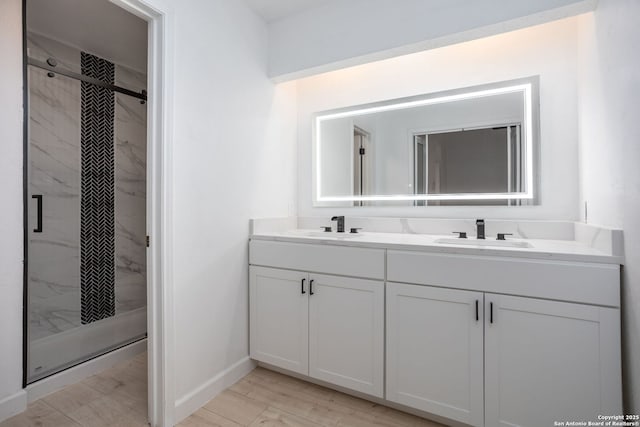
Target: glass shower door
(86, 231)
(54, 237)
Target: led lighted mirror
(472, 146)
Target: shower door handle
(38, 198)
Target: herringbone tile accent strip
(97, 210)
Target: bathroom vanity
(518, 324)
(477, 333)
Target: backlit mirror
(471, 146)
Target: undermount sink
(331, 234)
(486, 242)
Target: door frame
(367, 164)
(161, 394)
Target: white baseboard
(193, 401)
(80, 372)
(13, 405)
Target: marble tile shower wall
(54, 150)
(131, 166)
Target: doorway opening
(56, 79)
(362, 164)
(86, 177)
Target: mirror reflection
(473, 146)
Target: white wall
(234, 159)
(11, 196)
(609, 92)
(337, 155)
(343, 33)
(548, 50)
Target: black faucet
(480, 229)
(340, 220)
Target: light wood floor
(117, 397)
(266, 398)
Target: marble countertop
(558, 250)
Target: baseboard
(80, 372)
(193, 401)
(13, 405)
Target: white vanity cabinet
(328, 327)
(542, 360)
(434, 350)
(476, 338)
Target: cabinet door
(279, 315)
(346, 332)
(434, 350)
(549, 361)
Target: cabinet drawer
(340, 260)
(566, 281)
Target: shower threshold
(55, 353)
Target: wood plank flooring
(267, 398)
(118, 398)
(115, 397)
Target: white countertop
(559, 250)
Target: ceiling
(106, 30)
(97, 26)
(272, 10)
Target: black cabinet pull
(38, 198)
(490, 312)
(477, 313)
(302, 286)
(311, 287)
